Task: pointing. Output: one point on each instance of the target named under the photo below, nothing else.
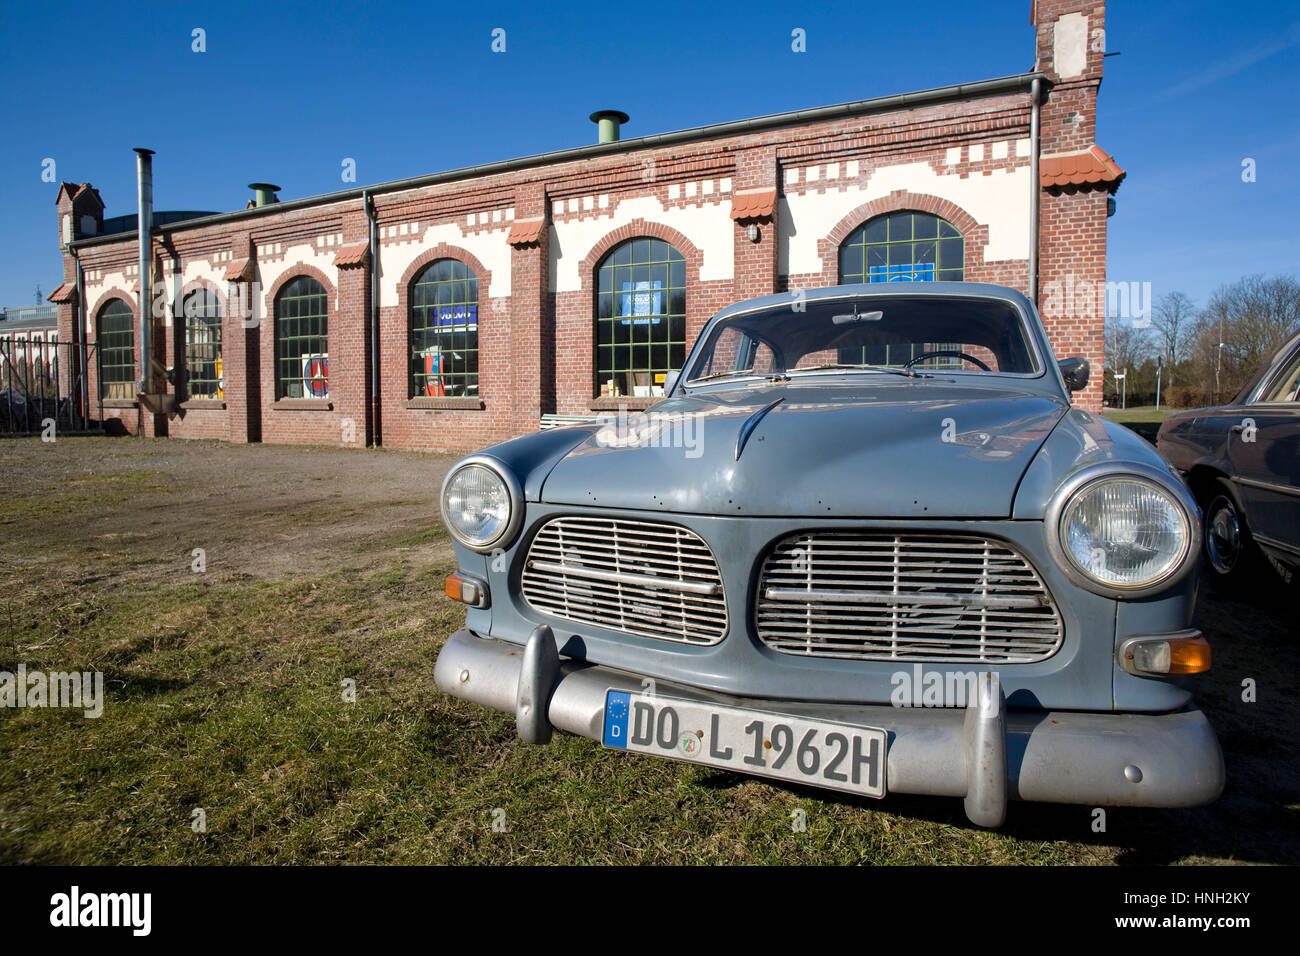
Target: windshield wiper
(767, 376)
(909, 373)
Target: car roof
(965, 290)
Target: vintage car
(864, 543)
(1242, 462)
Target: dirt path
(273, 512)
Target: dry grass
(224, 693)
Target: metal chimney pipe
(264, 193)
(607, 124)
(144, 174)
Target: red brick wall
(536, 345)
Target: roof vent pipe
(607, 124)
(264, 193)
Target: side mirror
(1076, 372)
(670, 381)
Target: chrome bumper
(985, 754)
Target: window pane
(301, 345)
(204, 373)
(901, 246)
(443, 324)
(640, 317)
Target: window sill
(120, 403)
(303, 405)
(467, 403)
(206, 404)
(608, 403)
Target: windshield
(868, 335)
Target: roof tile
(350, 256)
(753, 204)
(1092, 166)
(239, 270)
(64, 293)
(526, 232)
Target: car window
(975, 335)
(736, 351)
(1287, 384)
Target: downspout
(1035, 90)
(368, 201)
(144, 175)
(81, 337)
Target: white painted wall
(275, 261)
(999, 200)
(708, 225)
(489, 247)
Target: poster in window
(902, 272)
(315, 375)
(433, 384)
(456, 317)
(642, 301)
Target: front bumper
(983, 754)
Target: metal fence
(45, 387)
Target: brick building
(455, 309)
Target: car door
(1264, 451)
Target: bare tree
(1126, 347)
(1241, 327)
(1248, 320)
(1170, 319)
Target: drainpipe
(79, 361)
(368, 202)
(144, 175)
(1035, 89)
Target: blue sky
(286, 91)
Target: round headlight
(1125, 533)
(477, 506)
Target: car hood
(908, 448)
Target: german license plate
(818, 753)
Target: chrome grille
(905, 597)
(640, 577)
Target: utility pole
(1160, 361)
(1123, 378)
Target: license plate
(818, 753)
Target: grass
(231, 700)
(1145, 420)
(226, 694)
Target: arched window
(640, 317)
(301, 341)
(203, 370)
(116, 338)
(444, 331)
(902, 246)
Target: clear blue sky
(286, 91)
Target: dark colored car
(1242, 462)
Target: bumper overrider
(985, 753)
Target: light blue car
(863, 543)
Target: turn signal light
(467, 590)
(1187, 653)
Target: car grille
(905, 597)
(644, 578)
